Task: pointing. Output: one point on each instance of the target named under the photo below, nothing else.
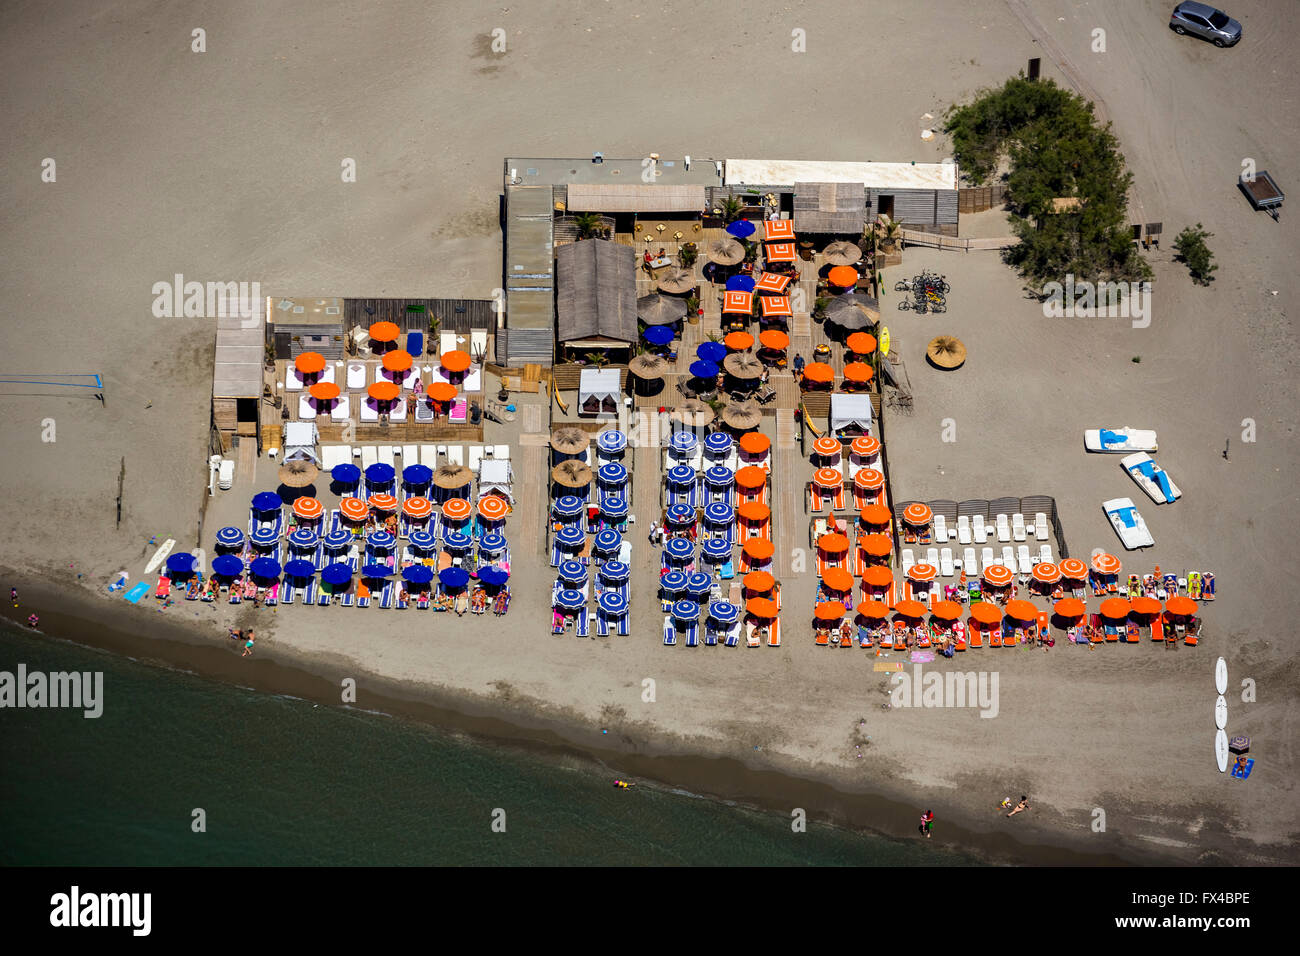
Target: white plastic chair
(968, 562)
(963, 529)
(1026, 562)
(986, 558)
(940, 529)
(1040, 526)
(909, 559)
(945, 562)
(980, 531)
(1018, 526)
(1008, 557)
(1004, 528)
(456, 454)
(1045, 553)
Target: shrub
(1195, 254)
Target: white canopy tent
(850, 414)
(598, 391)
(300, 440)
(495, 475)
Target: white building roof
(787, 172)
(850, 409)
(598, 383)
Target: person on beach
(248, 645)
(1019, 807)
(654, 529)
(13, 596)
(33, 620)
(236, 635)
(927, 822)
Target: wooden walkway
(787, 491)
(531, 506)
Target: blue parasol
(345, 473)
(713, 352)
(566, 506)
(674, 582)
(422, 540)
(741, 229)
(181, 563)
(613, 508)
(304, 539)
(614, 571)
(740, 284)
(493, 542)
(611, 440)
(267, 501)
(611, 602)
(453, 577)
(719, 512)
(571, 536)
(704, 370)
(719, 476)
(608, 540)
(686, 610)
(491, 575)
(724, 612)
(337, 540)
(230, 537)
(718, 443)
(612, 474)
(457, 541)
(679, 548)
(681, 475)
(336, 574)
(418, 574)
(227, 565)
(658, 335)
(264, 538)
(570, 599)
(299, 568)
(381, 539)
(574, 572)
(376, 571)
(265, 568)
(683, 442)
(699, 583)
(718, 548)
(681, 514)
(416, 475)
(379, 473)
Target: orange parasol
(917, 513)
(875, 609)
(755, 443)
(385, 332)
(866, 445)
(985, 613)
(761, 607)
(397, 360)
(455, 360)
(878, 577)
(324, 391)
(778, 230)
(829, 611)
(383, 502)
(861, 343)
(838, 580)
(910, 609)
(827, 444)
(771, 282)
(442, 392)
(1074, 569)
(751, 476)
(1046, 572)
(828, 478)
(1070, 607)
(308, 508)
(819, 372)
(833, 543)
(310, 363)
(780, 252)
(997, 575)
(1180, 606)
(775, 306)
(1021, 610)
(774, 339)
(759, 549)
(384, 391)
(843, 276)
(869, 479)
(760, 582)
(922, 572)
(493, 507)
(354, 509)
(859, 372)
(875, 514)
(453, 508)
(754, 511)
(1115, 607)
(737, 301)
(877, 545)
(738, 341)
(1146, 606)
(1105, 563)
(417, 507)
(946, 610)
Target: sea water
(278, 780)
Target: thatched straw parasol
(692, 413)
(842, 253)
(726, 252)
(571, 474)
(660, 309)
(298, 474)
(853, 311)
(946, 352)
(742, 416)
(452, 476)
(743, 365)
(570, 441)
(646, 367)
(678, 282)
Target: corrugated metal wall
(919, 207)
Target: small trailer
(1263, 193)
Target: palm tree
(888, 231)
(687, 254)
(731, 209)
(588, 224)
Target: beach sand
(225, 166)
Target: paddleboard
(160, 555)
(1221, 676)
(883, 340)
(1221, 713)
(1221, 750)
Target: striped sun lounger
(692, 634)
(386, 596)
(670, 636)
(733, 634)
(584, 623)
(288, 593)
(309, 593)
(348, 598)
(710, 635)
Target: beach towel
(137, 592)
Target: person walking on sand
(927, 822)
(1019, 807)
(248, 645)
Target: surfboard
(883, 340)
(1221, 712)
(160, 555)
(1221, 750)
(1221, 676)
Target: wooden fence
(979, 198)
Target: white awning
(300, 442)
(494, 475)
(849, 410)
(599, 383)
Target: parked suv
(1205, 22)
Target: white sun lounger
(473, 379)
(941, 529)
(1004, 528)
(356, 380)
(1040, 526)
(369, 456)
(306, 410)
(1026, 562)
(478, 343)
(969, 564)
(410, 378)
(1008, 557)
(1018, 526)
(945, 562)
(410, 455)
(447, 343)
(986, 558)
(501, 453)
(398, 411)
(385, 453)
(979, 529)
(342, 410)
(456, 454)
(369, 410)
(292, 380)
(909, 559)
(1045, 553)
(932, 557)
(475, 457)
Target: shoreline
(530, 725)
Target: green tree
(588, 224)
(731, 208)
(1195, 254)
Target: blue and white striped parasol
(686, 610)
(674, 582)
(566, 506)
(570, 536)
(607, 541)
(612, 603)
(724, 612)
(230, 537)
(569, 599)
(614, 572)
(719, 513)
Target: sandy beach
(225, 166)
